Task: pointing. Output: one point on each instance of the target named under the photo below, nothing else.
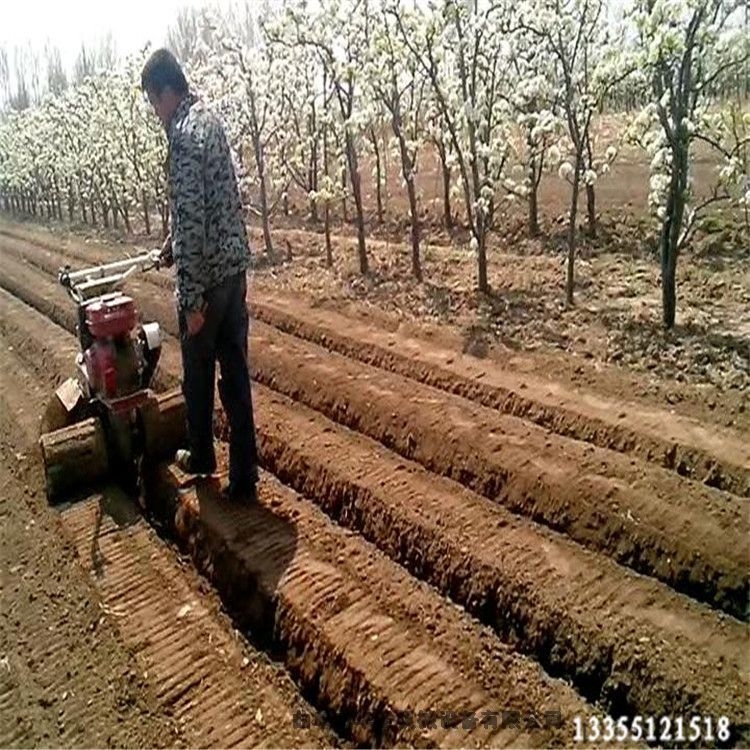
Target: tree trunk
(312, 176)
(56, 204)
(572, 231)
(351, 153)
(671, 228)
(446, 172)
(533, 220)
(71, 200)
(314, 210)
(261, 165)
(483, 284)
(668, 279)
(327, 203)
(591, 210)
(590, 193)
(407, 170)
(416, 265)
(378, 175)
(343, 194)
(329, 249)
(164, 213)
(668, 252)
(146, 217)
(534, 211)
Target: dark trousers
(223, 338)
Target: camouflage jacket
(209, 238)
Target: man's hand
(166, 258)
(195, 320)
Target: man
(209, 247)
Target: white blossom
(566, 170)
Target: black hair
(162, 71)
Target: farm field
(448, 522)
(500, 357)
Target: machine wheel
(74, 457)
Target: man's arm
(188, 230)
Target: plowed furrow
(321, 614)
(141, 587)
(644, 518)
(545, 595)
(643, 434)
(24, 281)
(55, 648)
(599, 498)
(347, 632)
(707, 454)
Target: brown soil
(107, 639)
(67, 678)
(381, 595)
(548, 596)
(688, 446)
(554, 480)
(464, 533)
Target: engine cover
(113, 367)
(115, 316)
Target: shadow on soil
(113, 503)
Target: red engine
(112, 361)
(111, 317)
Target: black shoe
(184, 460)
(245, 495)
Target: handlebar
(88, 282)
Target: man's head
(164, 82)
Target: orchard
(498, 309)
(320, 98)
